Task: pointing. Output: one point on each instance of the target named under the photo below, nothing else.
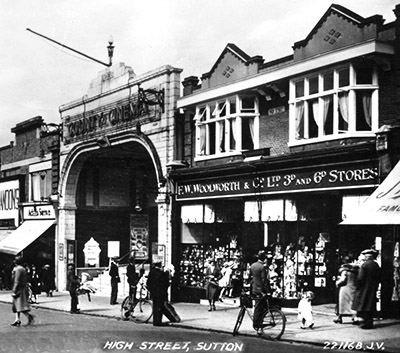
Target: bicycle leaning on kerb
(274, 320)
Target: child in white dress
(305, 310)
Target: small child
(305, 310)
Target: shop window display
(194, 262)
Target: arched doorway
(108, 193)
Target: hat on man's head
(371, 252)
(261, 255)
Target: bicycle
(274, 320)
(139, 308)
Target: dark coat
(19, 289)
(158, 283)
(114, 273)
(347, 289)
(34, 280)
(259, 278)
(212, 278)
(367, 285)
(73, 281)
(132, 275)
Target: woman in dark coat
(367, 285)
(20, 293)
(347, 288)
(213, 275)
(34, 281)
(48, 280)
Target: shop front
(291, 213)
(379, 216)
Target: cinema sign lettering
(146, 104)
(280, 182)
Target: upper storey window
(227, 126)
(331, 104)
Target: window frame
(306, 98)
(209, 113)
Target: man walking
(366, 286)
(259, 289)
(157, 284)
(73, 283)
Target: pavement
(384, 337)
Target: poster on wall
(139, 226)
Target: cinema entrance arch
(109, 196)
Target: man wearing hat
(114, 274)
(366, 286)
(259, 288)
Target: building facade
(112, 196)
(27, 217)
(277, 154)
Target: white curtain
(299, 118)
(251, 211)
(221, 135)
(233, 128)
(192, 214)
(251, 127)
(344, 106)
(272, 210)
(366, 100)
(36, 184)
(327, 101)
(290, 211)
(315, 106)
(202, 139)
(351, 203)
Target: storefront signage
(39, 212)
(148, 103)
(9, 199)
(337, 177)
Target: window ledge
(331, 138)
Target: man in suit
(114, 274)
(259, 288)
(366, 286)
(157, 284)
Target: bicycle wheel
(142, 311)
(126, 308)
(239, 321)
(274, 323)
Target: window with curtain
(227, 126)
(335, 102)
(40, 185)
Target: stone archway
(134, 152)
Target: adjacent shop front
(292, 211)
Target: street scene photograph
(200, 176)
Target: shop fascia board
(293, 69)
(343, 154)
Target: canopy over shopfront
(24, 235)
(383, 206)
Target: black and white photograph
(200, 176)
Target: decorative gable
(338, 28)
(232, 65)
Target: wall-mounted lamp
(110, 48)
(103, 141)
(138, 205)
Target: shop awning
(4, 233)
(24, 235)
(383, 206)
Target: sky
(38, 76)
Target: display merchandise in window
(290, 273)
(194, 262)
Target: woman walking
(213, 275)
(20, 293)
(347, 288)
